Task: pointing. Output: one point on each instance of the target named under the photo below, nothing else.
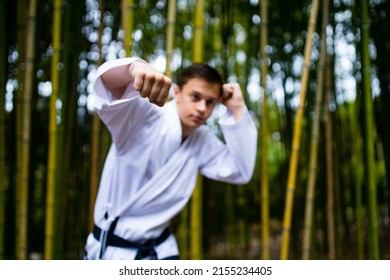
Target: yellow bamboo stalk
(309, 207)
(171, 21)
(22, 212)
(51, 199)
(198, 32)
(196, 201)
(284, 250)
(128, 7)
(196, 221)
(182, 235)
(264, 133)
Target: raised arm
(233, 99)
(147, 80)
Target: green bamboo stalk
(95, 138)
(230, 220)
(370, 137)
(22, 213)
(297, 135)
(356, 161)
(264, 133)
(65, 135)
(196, 200)
(309, 207)
(51, 239)
(330, 215)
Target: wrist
(237, 112)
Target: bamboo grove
(317, 78)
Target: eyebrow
(210, 98)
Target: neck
(184, 139)
(185, 133)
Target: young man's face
(195, 103)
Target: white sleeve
(234, 161)
(102, 95)
(126, 116)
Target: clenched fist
(150, 82)
(147, 80)
(233, 99)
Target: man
(157, 151)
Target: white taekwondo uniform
(149, 174)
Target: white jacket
(149, 174)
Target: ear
(177, 92)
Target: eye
(195, 97)
(211, 102)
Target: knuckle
(143, 93)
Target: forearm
(238, 112)
(147, 81)
(117, 79)
(113, 75)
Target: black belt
(145, 249)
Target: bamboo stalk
(370, 137)
(264, 133)
(183, 233)
(95, 139)
(128, 7)
(198, 44)
(171, 21)
(330, 215)
(51, 239)
(196, 200)
(357, 166)
(22, 211)
(230, 221)
(309, 207)
(196, 221)
(284, 250)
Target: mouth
(197, 119)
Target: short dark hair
(201, 71)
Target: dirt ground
(250, 247)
